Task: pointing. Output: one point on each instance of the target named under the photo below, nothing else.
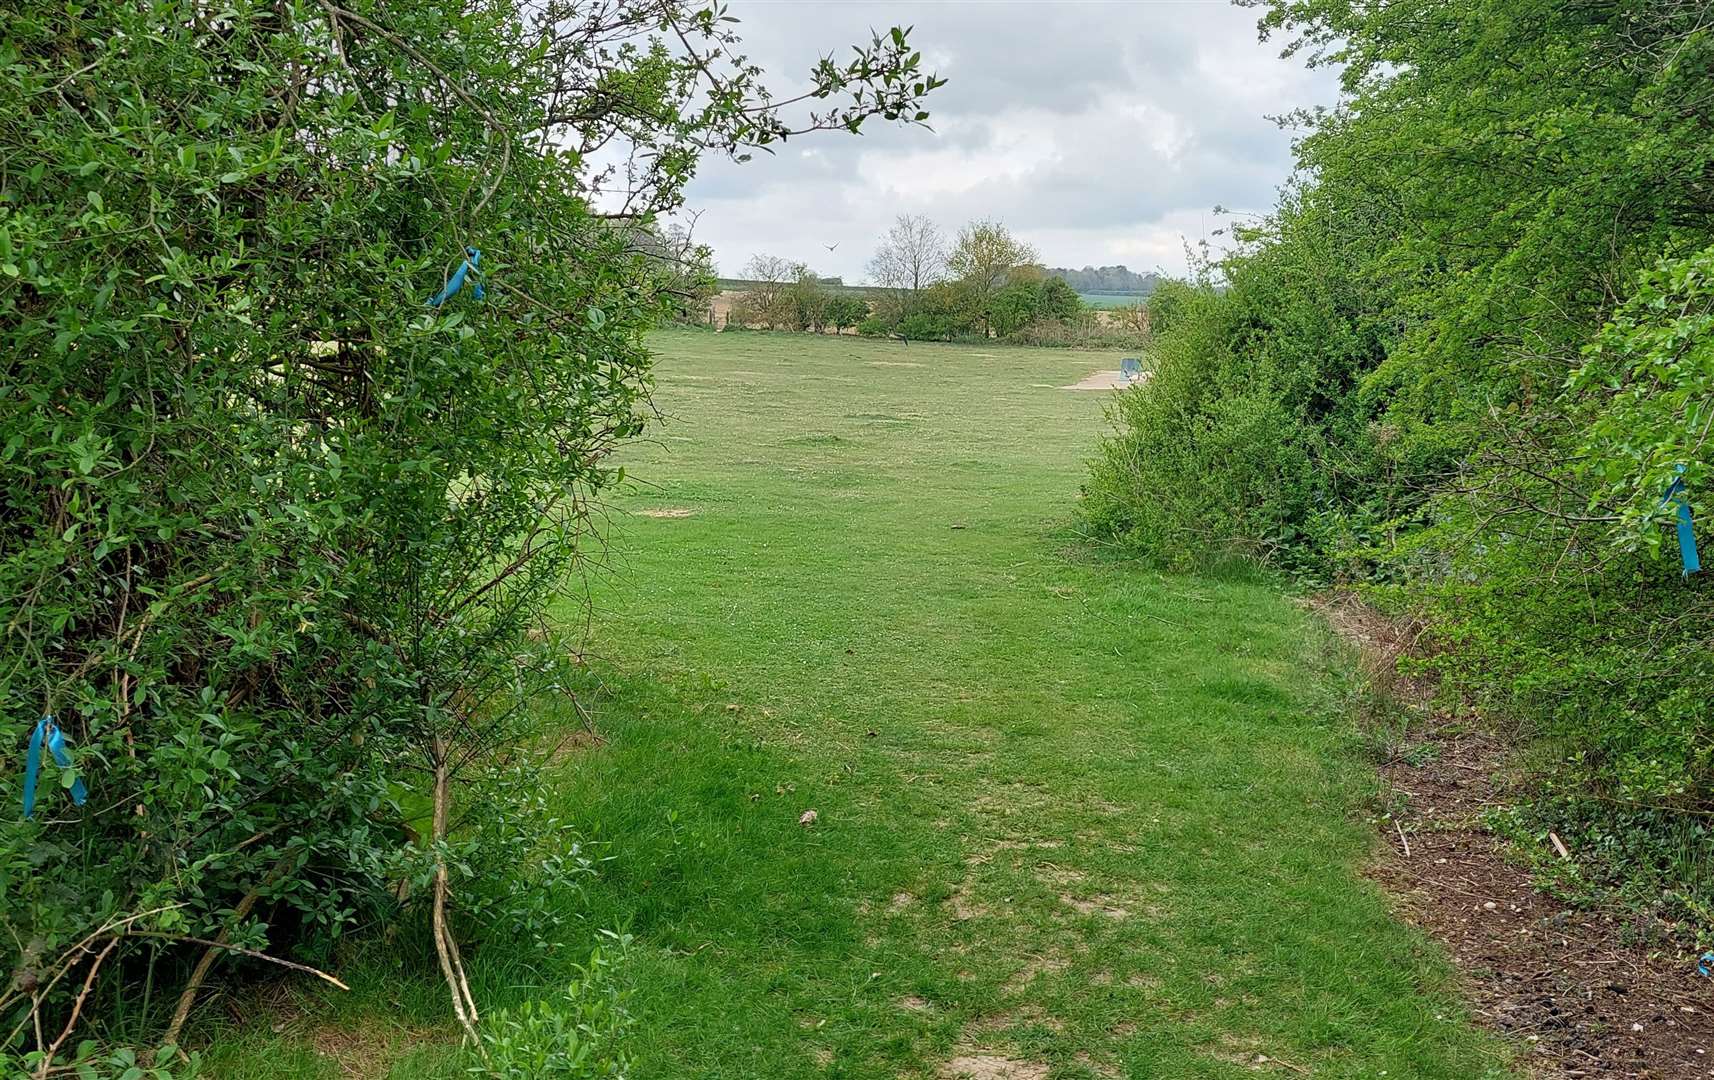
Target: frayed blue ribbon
(456, 282)
(49, 732)
(1687, 555)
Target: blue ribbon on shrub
(1687, 555)
(47, 732)
(456, 282)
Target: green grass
(1072, 812)
(1112, 300)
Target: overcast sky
(1100, 132)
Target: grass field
(1112, 300)
(1074, 818)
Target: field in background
(1074, 819)
(1112, 300)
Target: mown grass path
(1074, 818)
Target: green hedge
(1461, 363)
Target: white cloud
(1099, 132)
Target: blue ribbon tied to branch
(1687, 555)
(47, 732)
(473, 258)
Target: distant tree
(984, 256)
(1133, 317)
(912, 256)
(688, 266)
(803, 303)
(1013, 307)
(763, 302)
(1107, 279)
(1057, 300)
(845, 309)
(941, 311)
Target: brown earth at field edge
(1582, 991)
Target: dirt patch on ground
(360, 1051)
(1101, 904)
(977, 1032)
(566, 745)
(991, 1067)
(964, 908)
(1102, 380)
(1582, 990)
(667, 512)
(360, 1055)
(894, 363)
(1032, 968)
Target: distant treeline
(1106, 279)
(831, 284)
(984, 284)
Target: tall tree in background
(763, 302)
(984, 256)
(912, 256)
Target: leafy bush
(1013, 307)
(577, 1037)
(90, 1062)
(279, 514)
(1223, 471)
(1398, 335)
(1645, 396)
(1087, 329)
(844, 310)
(1057, 300)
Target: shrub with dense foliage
(1463, 361)
(276, 532)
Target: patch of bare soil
(667, 512)
(991, 1067)
(360, 1051)
(566, 745)
(1585, 994)
(1101, 380)
(964, 908)
(1100, 905)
